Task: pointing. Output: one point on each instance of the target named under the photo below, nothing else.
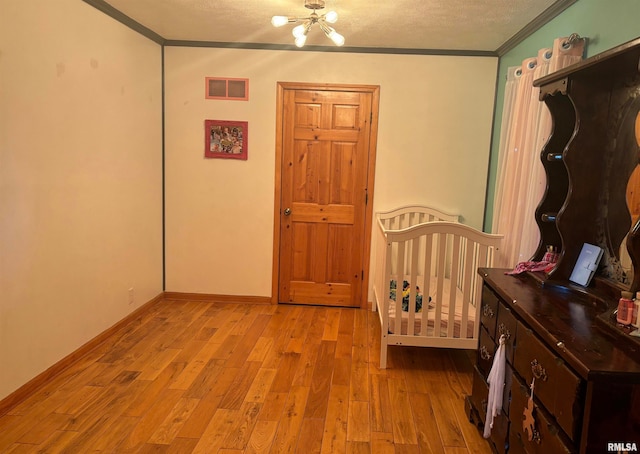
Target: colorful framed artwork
(225, 139)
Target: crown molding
(336, 49)
(126, 20)
(533, 26)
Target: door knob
(287, 211)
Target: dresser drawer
(506, 326)
(486, 352)
(479, 394)
(479, 397)
(547, 438)
(516, 445)
(489, 310)
(556, 386)
(506, 398)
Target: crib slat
(481, 260)
(397, 313)
(453, 283)
(384, 290)
(413, 283)
(440, 274)
(426, 292)
(466, 287)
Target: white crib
(437, 257)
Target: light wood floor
(239, 378)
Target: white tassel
(496, 387)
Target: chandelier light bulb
(298, 31)
(279, 21)
(331, 17)
(336, 37)
(300, 40)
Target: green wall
(606, 24)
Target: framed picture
(225, 139)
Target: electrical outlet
(131, 295)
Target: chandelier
(300, 31)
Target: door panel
(326, 136)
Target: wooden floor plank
(168, 429)
(147, 396)
(239, 387)
(404, 430)
(239, 434)
(261, 385)
(380, 404)
(332, 325)
(382, 443)
(358, 428)
(306, 364)
(183, 445)
(39, 433)
(288, 430)
(429, 440)
(211, 377)
(59, 441)
(219, 427)
(212, 394)
(310, 438)
(443, 410)
(321, 381)
(358, 447)
(151, 421)
(194, 366)
(334, 439)
(262, 437)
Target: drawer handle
(484, 353)
(504, 331)
(538, 371)
(487, 311)
(536, 436)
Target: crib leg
(383, 355)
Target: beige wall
(433, 148)
(80, 179)
(80, 167)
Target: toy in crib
(406, 288)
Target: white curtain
(526, 126)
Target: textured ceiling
(444, 25)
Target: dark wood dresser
(586, 394)
(587, 387)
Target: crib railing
(411, 215)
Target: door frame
(374, 90)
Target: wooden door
(323, 217)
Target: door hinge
(366, 197)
